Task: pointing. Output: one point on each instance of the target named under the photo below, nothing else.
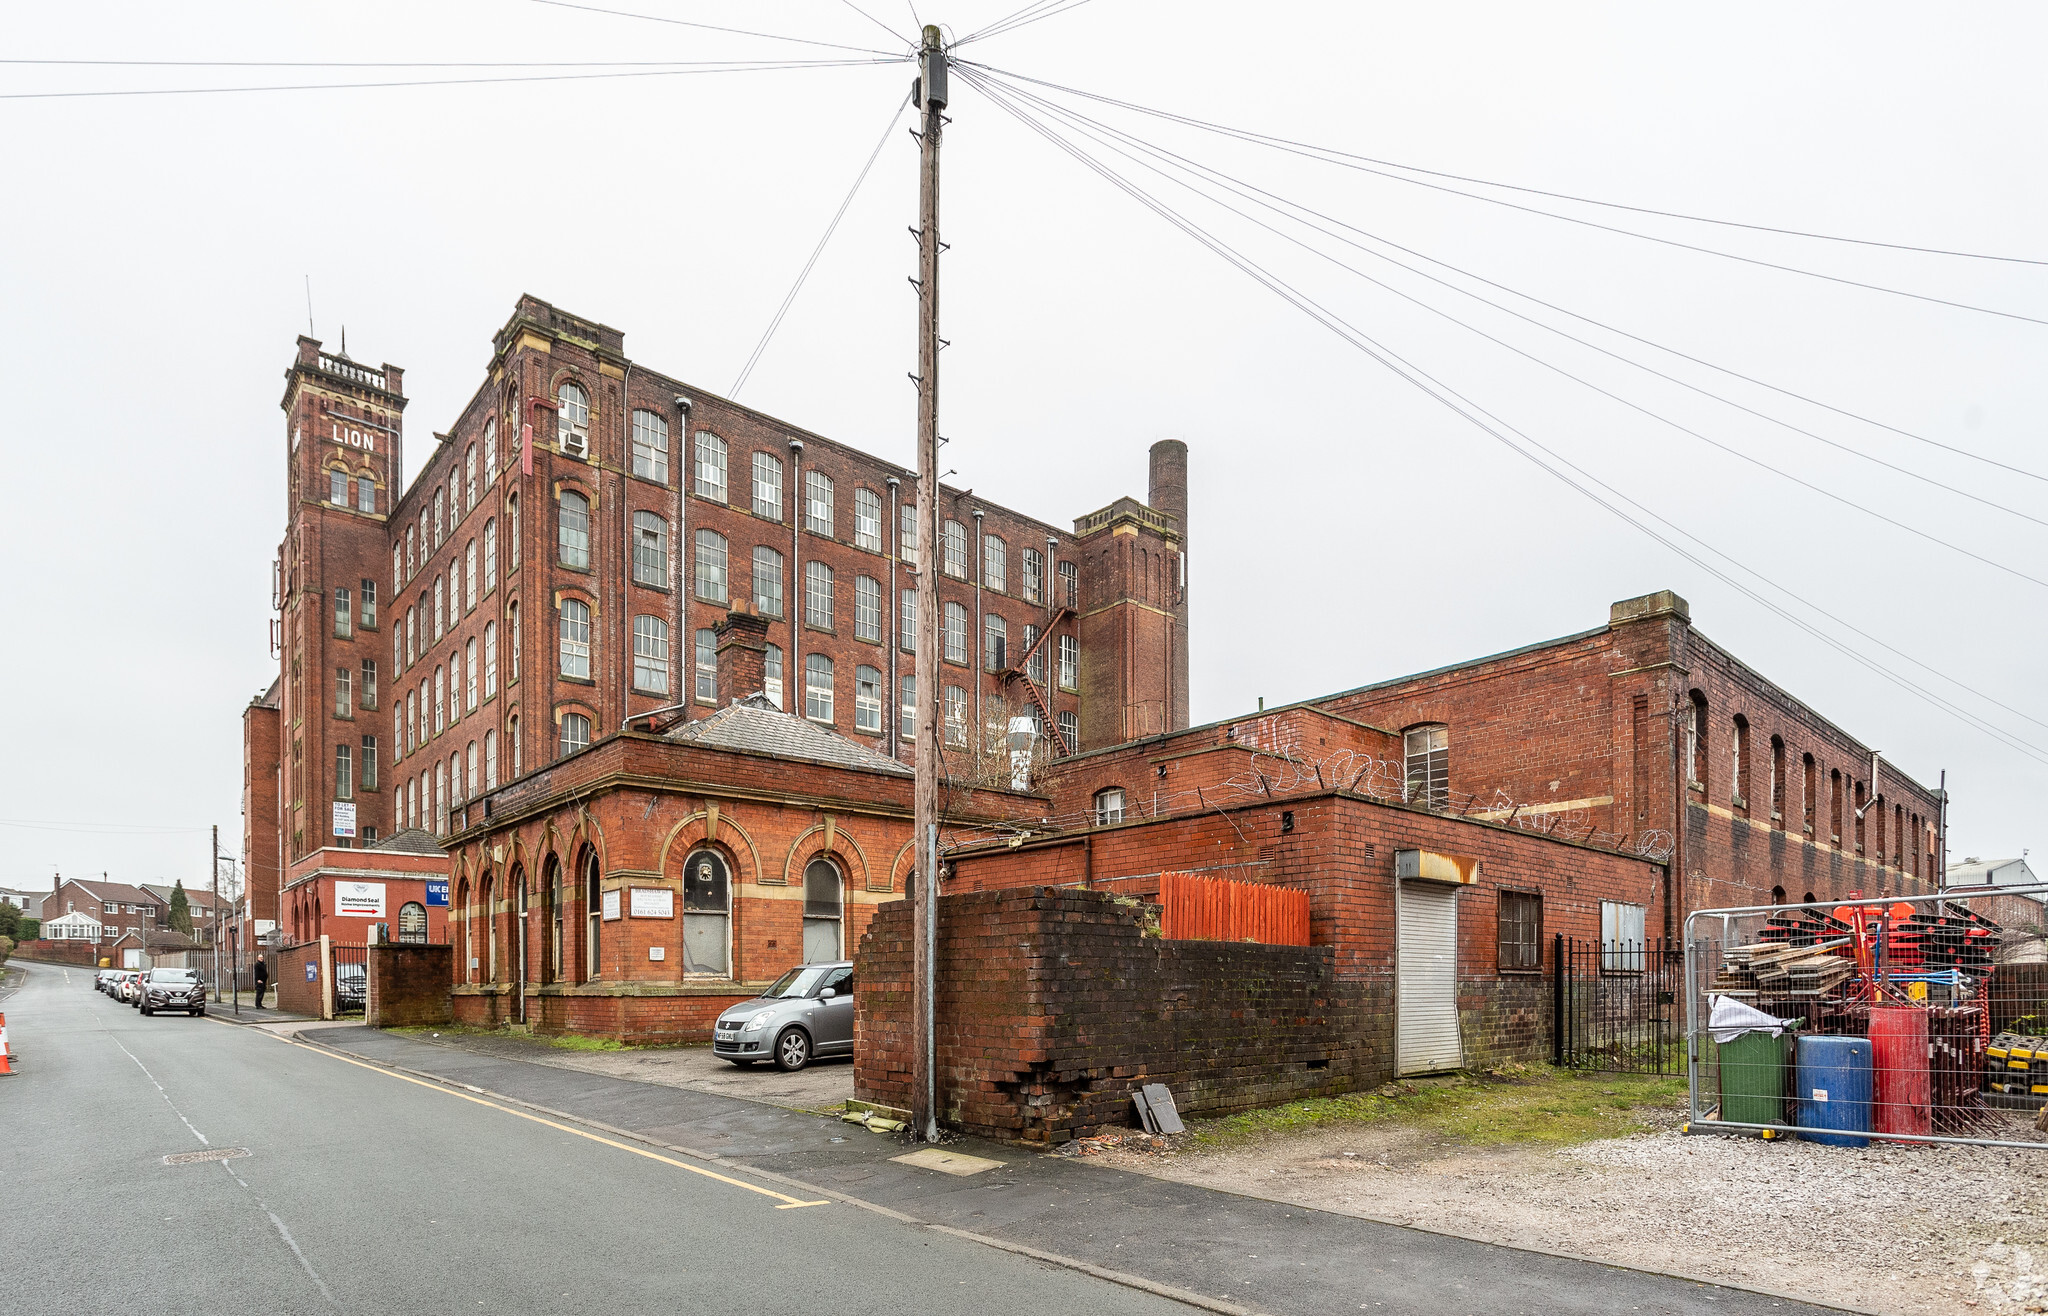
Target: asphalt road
(364, 1191)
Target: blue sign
(312, 971)
(437, 893)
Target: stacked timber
(1781, 969)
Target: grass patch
(1517, 1104)
(561, 1041)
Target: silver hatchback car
(807, 1013)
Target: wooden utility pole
(213, 893)
(931, 97)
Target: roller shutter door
(1426, 1013)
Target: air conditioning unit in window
(576, 444)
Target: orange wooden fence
(1210, 909)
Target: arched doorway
(707, 914)
(412, 922)
(487, 899)
(593, 915)
(518, 881)
(824, 909)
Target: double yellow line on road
(786, 1201)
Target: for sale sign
(359, 899)
(344, 818)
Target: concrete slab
(948, 1162)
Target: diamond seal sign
(359, 899)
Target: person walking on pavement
(262, 981)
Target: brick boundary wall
(408, 984)
(72, 954)
(1054, 1005)
(295, 994)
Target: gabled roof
(194, 898)
(409, 840)
(114, 892)
(2015, 871)
(754, 725)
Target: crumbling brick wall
(408, 985)
(1054, 1005)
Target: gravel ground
(1892, 1229)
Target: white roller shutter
(1426, 1008)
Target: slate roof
(754, 725)
(114, 893)
(195, 899)
(409, 840)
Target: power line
(708, 27)
(1023, 18)
(758, 67)
(1623, 333)
(100, 829)
(817, 251)
(1330, 155)
(1462, 407)
(986, 28)
(370, 63)
(876, 21)
(1268, 200)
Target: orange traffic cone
(6, 1057)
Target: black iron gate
(1618, 1006)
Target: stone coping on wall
(737, 990)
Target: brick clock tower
(344, 437)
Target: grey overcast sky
(1344, 527)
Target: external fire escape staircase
(1020, 672)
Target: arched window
(711, 578)
(771, 676)
(995, 563)
(491, 759)
(440, 799)
(1696, 742)
(1777, 895)
(1427, 751)
(1834, 806)
(867, 609)
(551, 892)
(995, 642)
(818, 687)
(575, 637)
(768, 487)
(710, 466)
(468, 930)
(397, 568)
(440, 519)
(822, 911)
(573, 530)
(1778, 780)
(818, 503)
(512, 615)
(593, 916)
(1109, 806)
(953, 631)
(650, 550)
(470, 785)
(650, 446)
(818, 600)
(867, 700)
(490, 555)
(489, 901)
(512, 734)
(412, 922)
(469, 577)
(490, 659)
(767, 581)
(953, 549)
(455, 795)
(867, 520)
(440, 699)
(575, 734)
(512, 528)
(572, 419)
(707, 914)
(490, 451)
(469, 478)
(469, 675)
(1738, 776)
(1808, 789)
(955, 700)
(650, 655)
(440, 607)
(707, 665)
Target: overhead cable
(756, 67)
(1478, 417)
(1330, 155)
(1282, 206)
(708, 27)
(817, 251)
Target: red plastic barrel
(1898, 1055)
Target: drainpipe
(977, 643)
(795, 600)
(892, 698)
(625, 654)
(676, 562)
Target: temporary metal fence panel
(1211, 909)
(1870, 1019)
(1616, 1006)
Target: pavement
(392, 1174)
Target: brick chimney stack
(742, 655)
(1167, 492)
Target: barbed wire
(1276, 773)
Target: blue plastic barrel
(1834, 1089)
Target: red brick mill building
(559, 571)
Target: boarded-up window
(1622, 949)
(1521, 930)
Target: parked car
(124, 986)
(172, 989)
(807, 1013)
(351, 989)
(104, 982)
